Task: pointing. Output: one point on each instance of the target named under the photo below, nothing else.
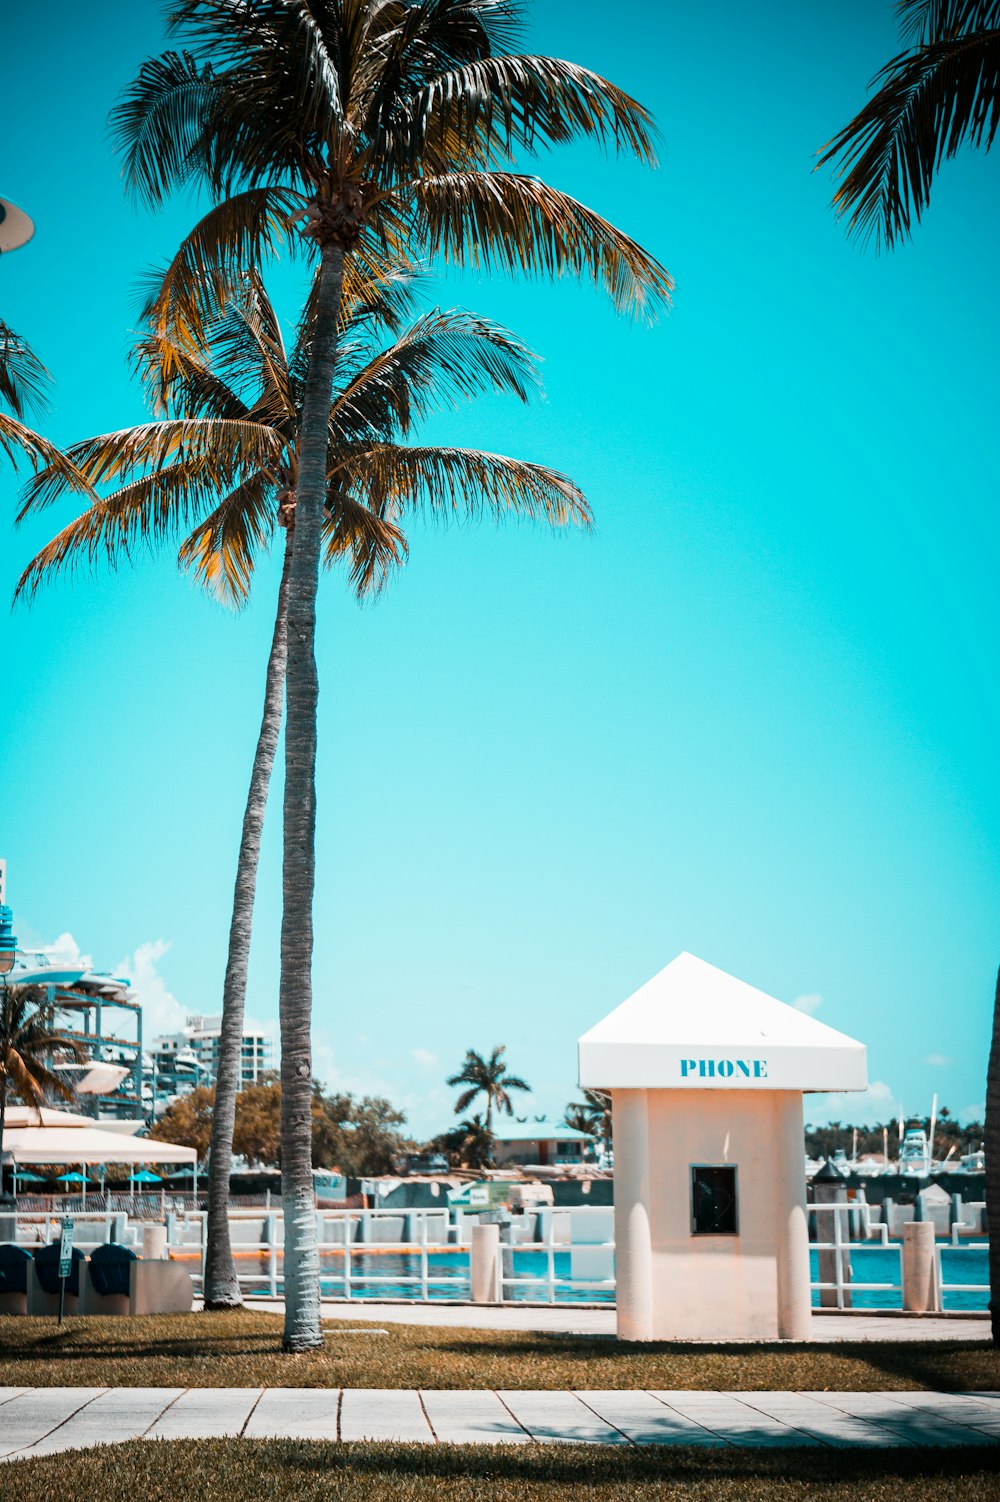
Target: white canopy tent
(74, 1144)
(63, 1137)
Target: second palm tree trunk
(301, 1263)
(222, 1287)
(991, 1143)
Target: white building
(191, 1057)
(538, 1142)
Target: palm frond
(443, 358)
(210, 449)
(145, 512)
(373, 545)
(514, 223)
(222, 550)
(33, 1081)
(159, 124)
(19, 442)
(929, 103)
(212, 261)
(174, 378)
(933, 20)
(448, 483)
(465, 1099)
(246, 342)
(506, 103)
(24, 381)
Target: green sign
(66, 1247)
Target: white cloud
(877, 1103)
(425, 1058)
(809, 1003)
(972, 1113)
(66, 953)
(161, 1011)
(938, 1060)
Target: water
(875, 1264)
(386, 1275)
(448, 1277)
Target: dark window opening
(713, 1201)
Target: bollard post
(270, 1231)
(119, 1222)
(921, 1294)
(484, 1264)
(154, 1242)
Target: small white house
(537, 1141)
(706, 1076)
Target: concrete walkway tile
(206, 1413)
(116, 1414)
(6, 1393)
(384, 1413)
(560, 1417)
(969, 1409)
(471, 1418)
(295, 1413)
(913, 1425)
(735, 1421)
(29, 1417)
(643, 1419)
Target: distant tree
(592, 1115)
(468, 1145)
(257, 1124)
(360, 1137)
(188, 1121)
(489, 1077)
(28, 1039)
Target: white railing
(419, 1245)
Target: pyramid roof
(693, 1027)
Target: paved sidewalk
(566, 1319)
(44, 1420)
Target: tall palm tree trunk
(302, 1310)
(992, 1147)
(222, 1288)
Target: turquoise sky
(754, 715)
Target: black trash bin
(110, 1269)
(47, 1269)
(13, 1268)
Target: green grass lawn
(292, 1471)
(243, 1350)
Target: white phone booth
(707, 1075)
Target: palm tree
(27, 1039)
(487, 1077)
(476, 1142)
(232, 431)
(939, 94)
(592, 1115)
(389, 127)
